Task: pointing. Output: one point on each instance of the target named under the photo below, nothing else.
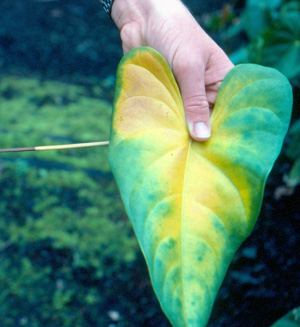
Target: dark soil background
(76, 40)
(58, 38)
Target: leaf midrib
(181, 236)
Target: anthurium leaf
(293, 178)
(192, 204)
(257, 15)
(291, 319)
(282, 46)
(293, 150)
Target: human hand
(198, 63)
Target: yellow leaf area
(192, 204)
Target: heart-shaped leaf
(192, 204)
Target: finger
(131, 37)
(195, 102)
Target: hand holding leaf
(198, 63)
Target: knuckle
(196, 104)
(130, 34)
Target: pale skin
(198, 63)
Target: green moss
(63, 229)
(37, 113)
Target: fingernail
(201, 130)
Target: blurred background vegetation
(68, 255)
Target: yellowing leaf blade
(192, 204)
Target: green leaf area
(292, 319)
(281, 48)
(293, 152)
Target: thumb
(195, 103)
